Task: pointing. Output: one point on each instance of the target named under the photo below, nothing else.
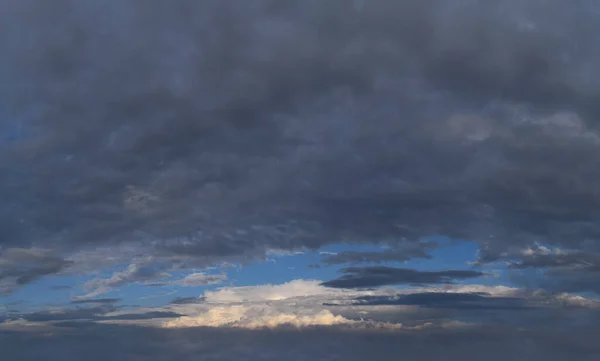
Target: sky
(324, 180)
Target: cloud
(97, 300)
(355, 277)
(305, 304)
(201, 279)
(156, 139)
(412, 251)
(20, 266)
(135, 273)
(101, 313)
(257, 317)
(142, 316)
(448, 300)
(283, 127)
(146, 273)
(564, 270)
(269, 292)
(117, 342)
(59, 287)
(67, 314)
(187, 300)
(296, 303)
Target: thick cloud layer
(144, 141)
(242, 127)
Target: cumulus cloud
(303, 303)
(296, 303)
(257, 317)
(267, 292)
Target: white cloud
(293, 289)
(258, 316)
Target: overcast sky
(315, 179)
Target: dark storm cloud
(355, 277)
(417, 250)
(218, 130)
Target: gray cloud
(143, 316)
(87, 313)
(97, 300)
(60, 287)
(417, 250)
(561, 279)
(201, 279)
(187, 300)
(20, 266)
(120, 343)
(576, 259)
(563, 270)
(140, 272)
(96, 313)
(212, 131)
(467, 301)
(356, 277)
